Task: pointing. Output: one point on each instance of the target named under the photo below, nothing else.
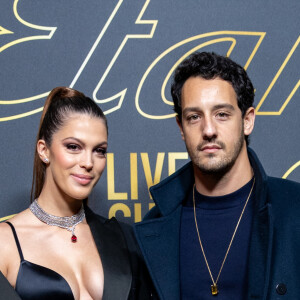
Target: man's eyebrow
(215, 107)
(225, 105)
(189, 109)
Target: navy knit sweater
(217, 218)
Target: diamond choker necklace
(68, 223)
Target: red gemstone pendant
(74, 238)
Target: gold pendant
(214, 289)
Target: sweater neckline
(228, 201)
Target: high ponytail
(60, 103)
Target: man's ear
(43, 151)
(180, 127)
(249, 120)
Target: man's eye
(193, 118)
(222, 115)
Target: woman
(58, 248)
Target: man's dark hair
(209, 66)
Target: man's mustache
(209, 143)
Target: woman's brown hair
(60, 103)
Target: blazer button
(281, 288)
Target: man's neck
(219, 184)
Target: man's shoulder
(284, 196)
(276, 184)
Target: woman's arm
(7, 291)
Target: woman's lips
(82, 179)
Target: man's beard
(217, 165)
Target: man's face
(212, 125)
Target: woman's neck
(59, 205)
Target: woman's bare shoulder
(6, 235)
(8, 247)
(10, 258)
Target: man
(221, 227)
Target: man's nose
(209, 130)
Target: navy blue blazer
(274, 261)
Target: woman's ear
(43, 151)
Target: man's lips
(210, 148)
(82, 179)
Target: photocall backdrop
(122, 53)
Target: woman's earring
(46, 160)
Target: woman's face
(77, 156)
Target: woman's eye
(101, 152)
(72, 147)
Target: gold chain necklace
(214, 287)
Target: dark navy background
(125, 50)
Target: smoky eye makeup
(72, 147)
(101, 151)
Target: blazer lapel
(112, 247)
(260, 254)
(262, 235)
(159, 242)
